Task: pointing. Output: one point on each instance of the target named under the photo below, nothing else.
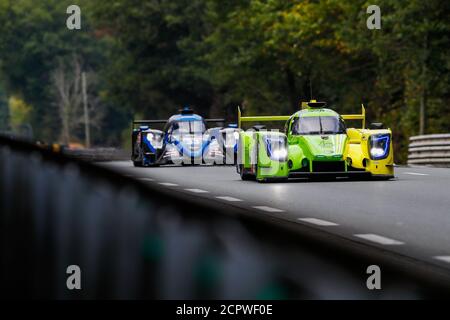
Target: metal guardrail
(431, 149)
(135, 240)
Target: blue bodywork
(173, 143)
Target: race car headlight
(276, 147)
(279, 154)
(379, 145)
(155, 140)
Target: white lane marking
(146, 179)
(197, 190)
(416, 174)
(168, 184)
(268, 209)
(443, 258)
(318, 222)
(379, 239)
(226, 198)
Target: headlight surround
(276, 147)
(379, 145)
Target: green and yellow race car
(315, 142)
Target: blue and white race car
(183, 140)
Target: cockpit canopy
(326, 124)
(189, 127)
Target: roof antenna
(310, 89)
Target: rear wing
(361, 116)
(214, 120)
(147, 122)
(259, 118)
(241, 119)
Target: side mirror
(376, 125)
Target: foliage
(153, 56)
(33, 38)
(4, 111)
(19, 112)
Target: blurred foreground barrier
(431, 149)
(98, 154)
(133, 240)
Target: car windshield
(318, 125)
(196, 126)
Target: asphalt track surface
(408, 216)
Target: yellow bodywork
(357, 152)
(357, 148)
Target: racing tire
(245, 176)
(273, 180)
(138, 163)
(382, 178)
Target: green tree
(411, 77)
(156, 67)
(33, 38)
(153, 56)
(4, 111)
(268, 52)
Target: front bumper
(338, 174)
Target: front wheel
(138, 163)
(245, 175)
(274, 180)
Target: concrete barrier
(98, 154)
(429, 150)
(136, 240)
